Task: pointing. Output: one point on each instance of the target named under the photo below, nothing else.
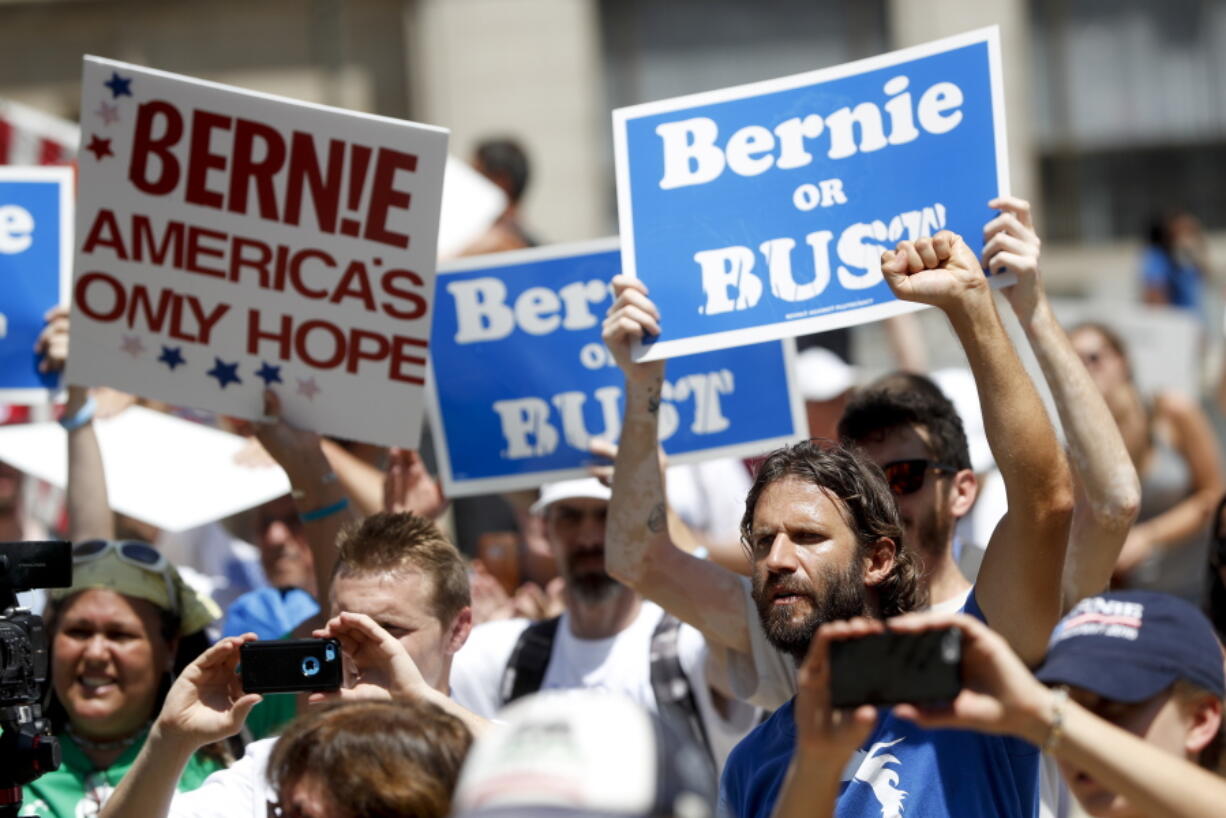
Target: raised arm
(322, 503)
(89, 510)
(1108, 492)
(1024, 563)
(638, 549)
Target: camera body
(27, 748)
(891, 668)
(23, 656)
(290, 665)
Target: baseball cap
(1129, 646)
(583, 754)
(821, 375)
(588, 487)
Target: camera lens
(310, 666)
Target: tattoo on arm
(653, 397)
(657, 519)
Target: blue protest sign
(35, 266)
(761, 211)
(520, 380)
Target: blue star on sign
(225, 374)
(172, 357)
(269, 374)
(120, 86)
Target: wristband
(83, 415)
(324, 511)
(1056, 732)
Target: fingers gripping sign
(1011, 245)
(631, 318)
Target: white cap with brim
(589, 488)
(821, 375)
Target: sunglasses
(907, 476)
(138, 554)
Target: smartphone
(290, 665)
(890, 668)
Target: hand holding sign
(631, 318)
(941, 271)
(1011, 244)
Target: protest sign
(35, 259)
(761, 211)
(521, 381)
(163, 470)
(229, 241)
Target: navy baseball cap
(1129, 646)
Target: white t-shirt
(620, 663)
(236, 792)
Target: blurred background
(1116, 110)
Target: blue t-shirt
(902, 771)
(1180, 280)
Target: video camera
(27, 748)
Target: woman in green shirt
(116, 637)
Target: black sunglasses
(907, 476)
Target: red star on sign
(99, 147)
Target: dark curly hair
(901, 399)
(865, 502)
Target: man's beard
(590, 586)
(842, 597)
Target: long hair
(866, 503)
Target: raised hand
(290, 446)
(52, 343)
(206, 703)
(941, 271)
(631, 317)
(377, 666)
(1012, 245)
(408, 486)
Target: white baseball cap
(588, 487)
(583, 754)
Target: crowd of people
(655, 651)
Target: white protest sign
(229, 241)
(166, 471)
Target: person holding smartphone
(1134, 717)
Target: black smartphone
(891, 668)
(290, 665)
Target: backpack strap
(674, 693)
(529, 660)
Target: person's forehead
(792, 500)
(405, 594)
(905, 441)
(102, 605)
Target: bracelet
(324, 511)
(327, 479)
(1059, 697)
(83, 415)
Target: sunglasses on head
(907, 476)
(138, 554)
